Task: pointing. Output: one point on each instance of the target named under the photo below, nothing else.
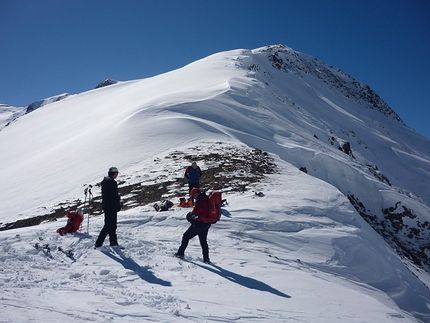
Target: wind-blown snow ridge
(358, 161)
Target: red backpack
(215, 202)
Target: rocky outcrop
(289, 61)
(106, 82)
(38, 104)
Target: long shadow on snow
(143, 272)
(242, 280)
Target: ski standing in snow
(111, 204)
(88, 197)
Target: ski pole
(85, 201)
(90, 197)
(88, 192)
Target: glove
(191, 217)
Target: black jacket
(110, 197)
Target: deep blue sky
(49, 47)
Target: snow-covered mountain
(38, 104)
(348, 196)
(9, 114)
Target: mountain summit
(289, 61)
(316, 122)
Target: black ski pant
(108, 229)
(197, 228)
(192, 185)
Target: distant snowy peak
(6, 106)
(41, 103)
(9, 114)
(106, 82)
(287, 60)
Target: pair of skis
(46, 249)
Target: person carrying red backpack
(200, 224)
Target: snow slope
(346, 271)
(239, 98)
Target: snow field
(255, 275)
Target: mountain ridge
(343, 190)
(296, 107)
(287, 60)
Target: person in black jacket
(111, 204)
